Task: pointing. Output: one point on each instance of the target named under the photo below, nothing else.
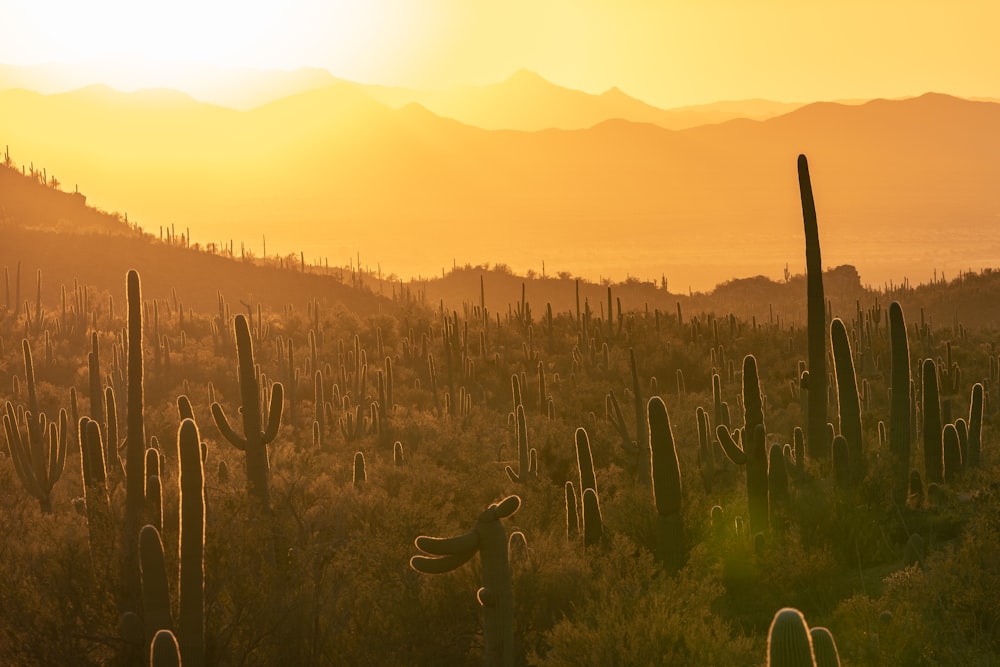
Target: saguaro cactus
(789, 643)
(932, 432)
(155, 591)
(135, 448)
(666, 476)
(496, 596)
(816, 446)
(527, 457)
(38, 459)
(191, 547)
(975, 442)
(847, 398)
(255, 439)
(899, 410)
(753, 453)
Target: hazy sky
(669, 52)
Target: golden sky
(667, 52)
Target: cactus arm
(585, 461)
(506, 507)
(440, 564)
(448, 546)
(219, 415)
(274, 413)
(60, 461)
(184, 407)
(729, 446)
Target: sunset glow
(667, 53)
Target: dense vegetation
(647, 527)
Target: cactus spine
(816, 446)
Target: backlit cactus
(256, 436)
(496, 596)
(789, 643)
(847, 395)
(666, 477)
(899, 408)
(816, 446)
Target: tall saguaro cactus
(135, 448)
(191, 547)
(899, 410)
(255, 439)
(496, 596)
(816, 445)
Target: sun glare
(134, 45)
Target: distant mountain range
(903, 186)
(524, 101)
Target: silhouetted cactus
(753, 453)
(777, 486)
(163, 650)
(191, 545)
(585, 461)
(952, 453)
(789, 643)
(397, 454)
(666, 477)
(931, 426)
(496, 596)
(153, 490)
(38, 458)
(847, 399)
(593, 520)
(360, 475)
(816, 446)
(899, 409)
(572, 512)
(825, 648)
(255, 440)
(706, 449)
(155, 591)
(100, 525)
(527, 469)
(975, 444)
(135, 448)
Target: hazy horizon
(422, 135)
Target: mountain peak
(526, 76)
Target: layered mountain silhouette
(333, 170)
